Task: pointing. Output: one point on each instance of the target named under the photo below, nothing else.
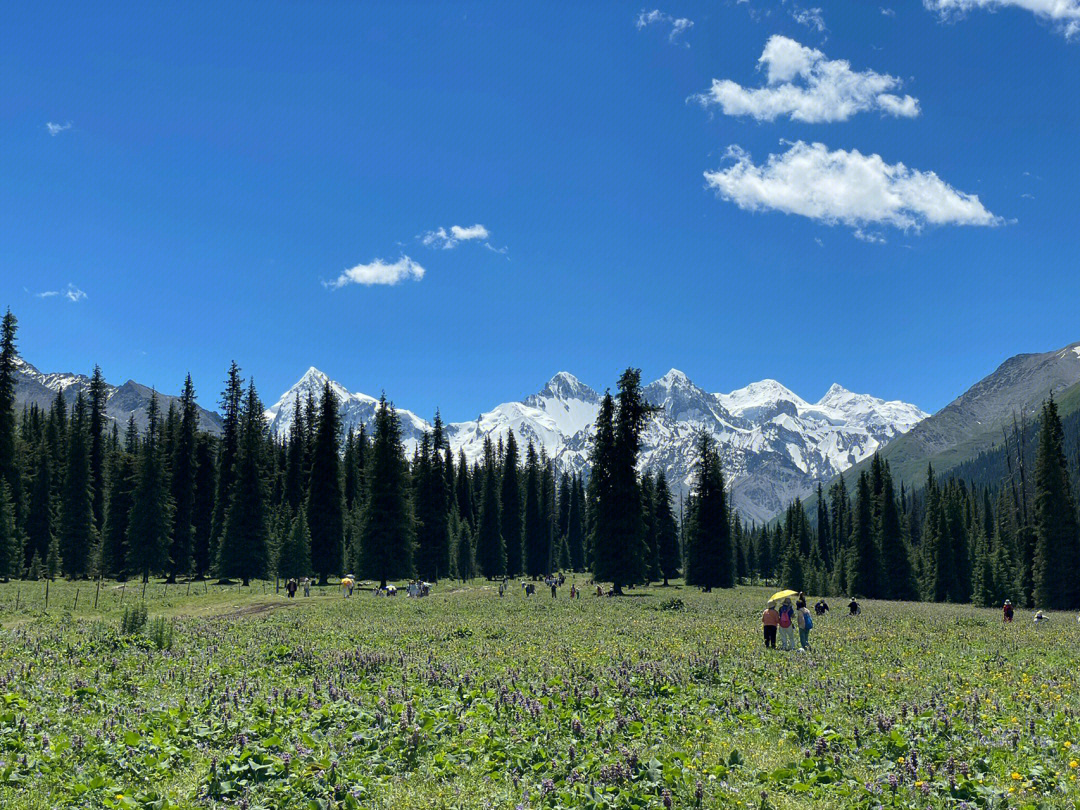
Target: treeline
(1011, 536)
(79, 496)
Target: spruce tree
(791, 567)
(490, 550)
(709, 559)
(294, 556)
(1057, 538)
(899, 580)
(619, 550)
(76, 529)
(510, 508)
(232, 399)
(98, 396)
(463, 491)
(205, 492)
(652, 548)
(389, 528)
(667, 530)
(123, 478)
(296, 460)
(11, 548)
(536, 551)
(184, 465)
(575, 526)
(150, 517)
(41, 511)
(465, 561)
(325, 502)
(245, 545)
(864, 557)
(9, 461)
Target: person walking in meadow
(800, 603)
(554, 587)
(290, 588)
(307, 586)
(787, 625)
(821, 608)
(853, 607)
(1007, 611)
(769, 621)
(806, 624)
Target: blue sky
(212, 172)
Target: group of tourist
(292, 586)
(783, 622)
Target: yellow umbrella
(776, 597)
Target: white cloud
(845, 187)
(888, 12)
(440, 238)
(804, 85)
(1064, 14)
(55, 129)
(679, 25)
(378, 272)
(810, 17)
(70, 292)
(869, 236)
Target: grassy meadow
(239, 697)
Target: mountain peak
(565, 385)
(673, 378)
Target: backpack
(785, 617)
(808, 623)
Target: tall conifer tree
(325, 503)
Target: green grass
(467, 700)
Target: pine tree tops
(325, 500)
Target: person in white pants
(787, 626)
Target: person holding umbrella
(787, 625)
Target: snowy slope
(775, 446)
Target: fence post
(46, 594)
(76, 605)
(18, 592)
(144, 583)
(97, 593)
(123, 590)
(189, 587)
(165, 592)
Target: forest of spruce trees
(81, 496)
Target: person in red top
(769, 621)
(1007, 611)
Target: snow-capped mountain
(354, 409)
(775, 446)
(33, 387)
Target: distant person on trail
(1007, 611)
(554, 587)
(599, 591)
(853, 607)
(769, 621)
(573, 590)
(787, 625)
(821, 608)
(290, 588)
(346, 587)
(1040, 617)
(502, 588)
(806, 624)
(307, 586)
(800, 603)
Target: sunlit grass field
(239, 697)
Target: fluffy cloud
(804, 85)
(440, 238)
(55, 129)
(679, 25)
(70, 292)
(845, 187)
(1064, 14)
(378, 272)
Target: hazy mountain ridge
(33, 387)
